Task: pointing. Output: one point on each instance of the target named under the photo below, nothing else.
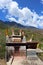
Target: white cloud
(42, 1)
(42, 12)
(24, 16)
(12, 19)
(41, 24)
(13, 9)
(41, 17)
(4, 3)
(35, 17)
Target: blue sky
(25, 12)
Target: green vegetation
(2, 43)
(37, 36)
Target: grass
(40, 55)
(36, 37)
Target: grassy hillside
(37, 36)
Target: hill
(7, 24)
(37, 33)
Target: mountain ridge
(13, 23)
